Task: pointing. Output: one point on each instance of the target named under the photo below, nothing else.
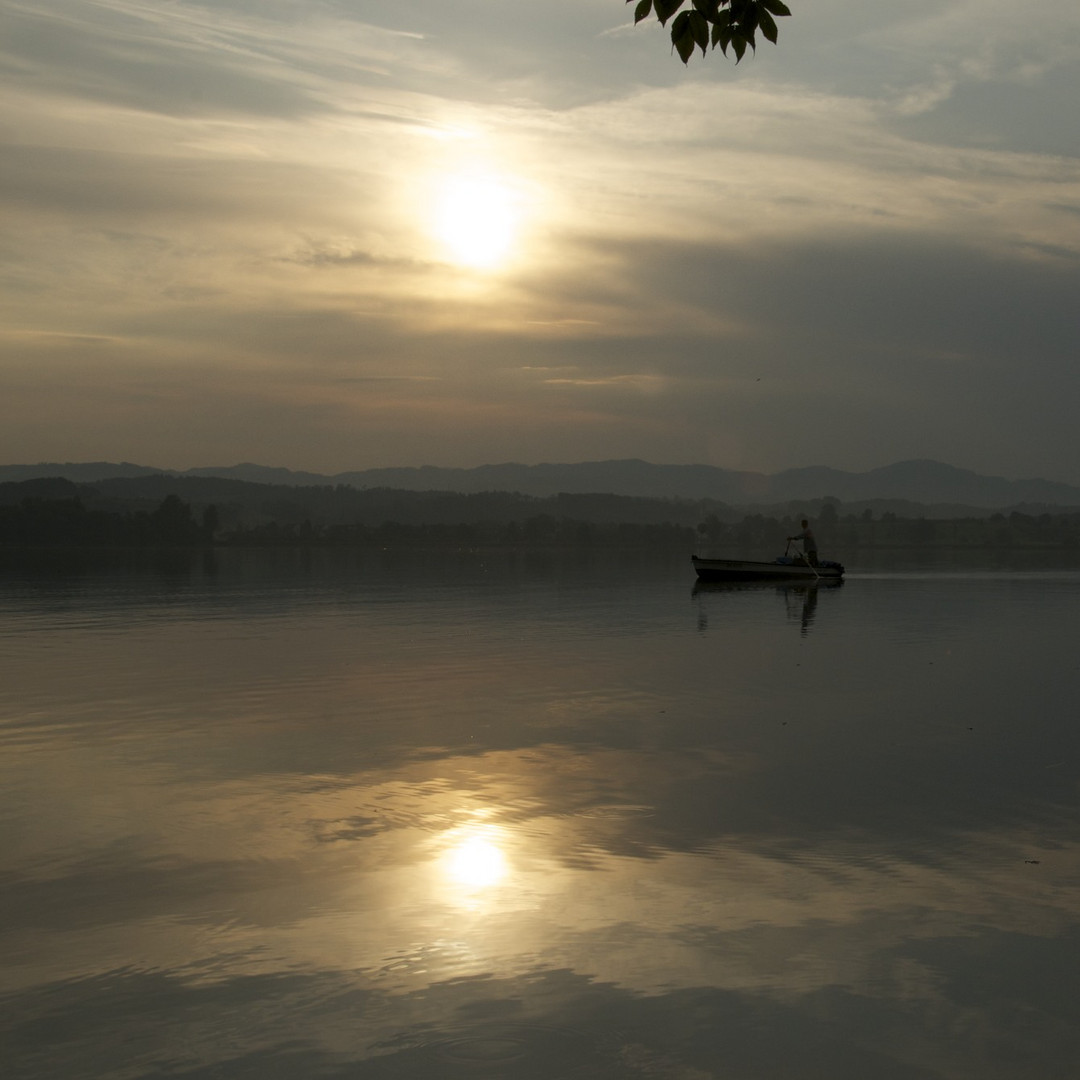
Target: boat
(785, 568)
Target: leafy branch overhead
(709, 23)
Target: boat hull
(746, 570)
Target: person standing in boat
(809, 542)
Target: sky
(340, 234)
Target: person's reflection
(801, 603)
(809, 608)
(799, 600)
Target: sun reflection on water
(477, 863)
(473, 863)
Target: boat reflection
(800, 598)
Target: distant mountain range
(921, 481)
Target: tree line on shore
(854, 532)
(44, 522)
(39, 521)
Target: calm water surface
(460, 816)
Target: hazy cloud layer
(227, 236)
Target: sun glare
(476, 863)
(477, 220)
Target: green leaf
(748, 23)
(699, 28)
(725, 23)
(682, 37)
(666, 8)
(767, 25)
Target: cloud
(177, 60)
(689, 230)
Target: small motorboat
(785, 568)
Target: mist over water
(292, 815)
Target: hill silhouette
(163, 510)
(917, 482)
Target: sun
(477, 219)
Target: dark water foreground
(288, 816)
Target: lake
(290, 815)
